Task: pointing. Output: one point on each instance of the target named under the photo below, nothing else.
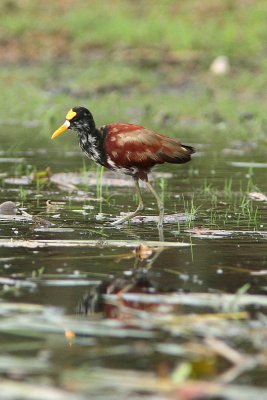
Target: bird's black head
(78, 119)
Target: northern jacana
(127, 148)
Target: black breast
(93, 146)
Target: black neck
(91, 142)
(86, 126)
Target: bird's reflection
(139, 279)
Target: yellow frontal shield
(71, 114)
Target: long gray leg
(140, 206)
(159, 203)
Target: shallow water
(224, 232)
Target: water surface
(54, 316)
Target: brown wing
(132, 145)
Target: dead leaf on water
(14, 389)
(72, 179)
(262, 272)
(171, 386)
(53, 230)
(221, 233)
(16, 218)
(37, 220)
(11, 160)
(247, 164)
(168, 219)
(22, 181)
(220, 301)
(52, 206)
(209, 233)
(8, 208)
(258, 196)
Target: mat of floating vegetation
(86, 243)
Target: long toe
(118, 222)
(126, 218)
(129, 216)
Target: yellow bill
(61, 129)
(71, 114)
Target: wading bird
(127, 148)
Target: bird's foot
(130, 215)
(120, 221)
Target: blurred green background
(151, 62)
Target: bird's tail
(180, 154)
(190, 149)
